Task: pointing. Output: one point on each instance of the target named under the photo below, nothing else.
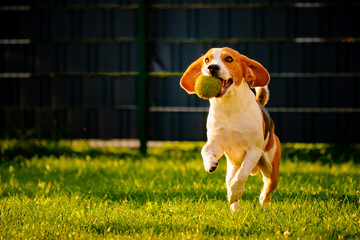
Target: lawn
(85, 193)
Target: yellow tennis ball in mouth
(207, 87)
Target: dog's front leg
(211, 153)
(237, 184)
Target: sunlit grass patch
(167, 194)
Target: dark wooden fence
(99, 69)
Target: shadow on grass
(14, 150)
(17, 150)
(321, 152)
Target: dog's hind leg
(270, 172)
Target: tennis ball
(207, 87)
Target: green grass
(117, 193)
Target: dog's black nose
(213, 68)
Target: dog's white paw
(235, 206)
(210, 164)
(264, 199)
(235, 191)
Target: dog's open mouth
(225, 85)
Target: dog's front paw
(235, 191)
(235, 206)
(210, 164)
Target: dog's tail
(262, 95)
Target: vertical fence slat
(142, 77)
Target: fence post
(142, 77)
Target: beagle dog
(238, 124)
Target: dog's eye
(207, 60)
(229, 59)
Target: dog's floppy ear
(255, 73)
(188, 79)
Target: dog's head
(229, 66)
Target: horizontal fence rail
(166, 74)
(181, 6)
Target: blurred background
(110, 69)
